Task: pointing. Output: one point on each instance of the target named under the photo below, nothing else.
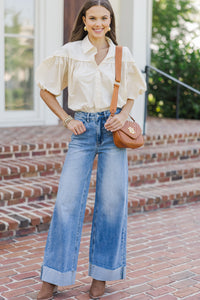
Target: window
(27, 35)
(19, 37)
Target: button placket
(97, 88)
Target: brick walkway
(163, 260)
(163, 245)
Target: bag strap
(118, 67)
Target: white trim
(39, 35)
(136, 34)
(126, 23)
(149, 30)
(51, 38)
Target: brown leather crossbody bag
(130, 135)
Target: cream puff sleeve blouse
(90, 86)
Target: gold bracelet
(67, 120)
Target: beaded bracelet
(67, 120)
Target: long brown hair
(78, 32)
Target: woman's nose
(98, 23)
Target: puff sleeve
(135, 83)
(52, 74)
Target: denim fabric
(107, 255)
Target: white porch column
(135, 32)
(50, 38)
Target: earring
(109, 29)
(85, 28)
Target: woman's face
(97, 21)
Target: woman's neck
(99, 43)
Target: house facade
(30, 30)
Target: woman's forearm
(127, 107)
(53, 104)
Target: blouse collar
(87, 46)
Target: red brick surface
(164, 173)
(163, 261)
(141, 198)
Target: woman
(87, 66)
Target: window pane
(19, 16)
(18, 73)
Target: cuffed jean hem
(103, 274)
(55, 277)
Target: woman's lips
(98, 30)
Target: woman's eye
(93, 18)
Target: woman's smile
(98, 30)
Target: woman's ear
(83, 18)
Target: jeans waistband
(94, 116)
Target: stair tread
(58, 142)
(140, 151)
(21, 217)
(184, 185)
(17, 188)
(33, 164)
(9, 166)
(30, 187)
(167, 126)
(166, 148)
(43, 134)
(166, 166)
(21, 140)
(34, 135)
(143, 168)
(159, 153)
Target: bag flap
(131, 129)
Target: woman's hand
(116, 122)
(76, 126)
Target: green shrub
(176, 56)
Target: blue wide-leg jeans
(107, 255)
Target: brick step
(163, 153)
(44, 166)
(53, 140)
(163, 172)
(36, 149)
(167, 131)
(30, 167)
(33, 141)
(174, 139)
(29, 150)
(29, 190)
(164, 195)
(28, 218)
(32, 189)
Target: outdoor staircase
(164, 173)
